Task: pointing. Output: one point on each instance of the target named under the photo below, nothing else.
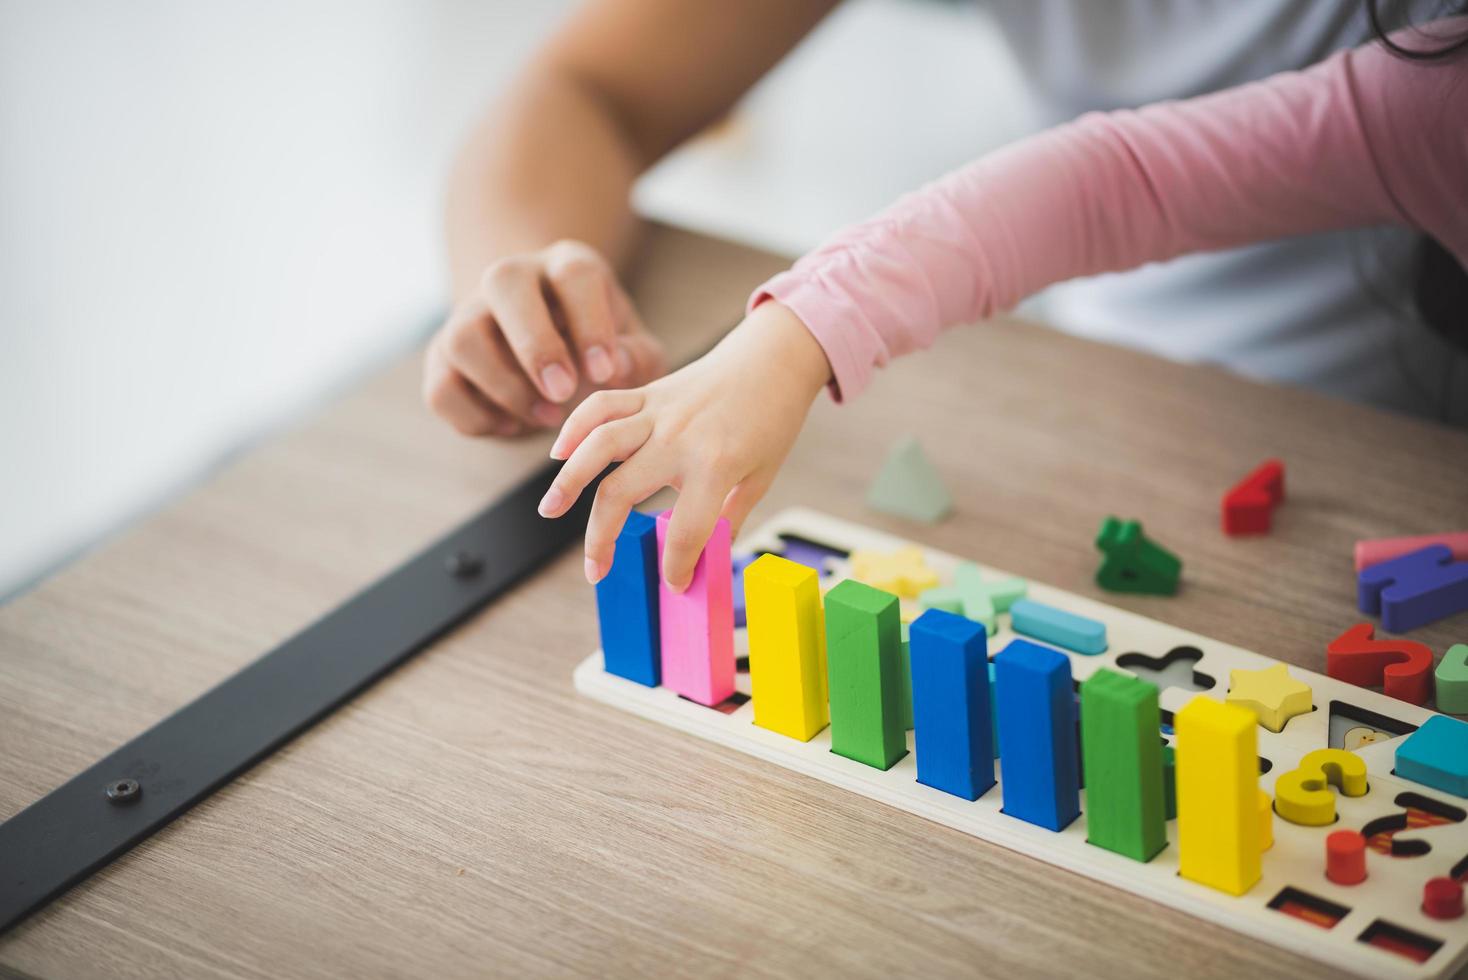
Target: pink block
(698, 626)
(1375, 552)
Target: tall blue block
(950, 704)
(1037, 728)
(627, 604)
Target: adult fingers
(511, 290)
(472, 349)
(624, 488)
(694, 516)
(582, 282)
(598, 409)
(607, 444)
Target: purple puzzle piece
(811, 554)
(741, 562)
(1418, 588)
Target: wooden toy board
(1392, 893)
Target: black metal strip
(132, 793)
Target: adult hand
(543, 330)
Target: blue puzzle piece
(1436, 755)
(1414, 589)
(1064, 629)
(950, 704)
(1037, 728)
(741, 562)
(627, 604)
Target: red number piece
(1402, 668)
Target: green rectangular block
(1121, 746)
(863, 666)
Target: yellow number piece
(1304, 796)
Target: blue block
(1436, 755)
(993, 712)
(1037, 727)
(1414, 589)
(627, 604)
(950, 704)
(1064, 629)
(741, 562)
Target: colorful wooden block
(1414, 589)
(1249, 506)
(863, 657)
(1266, 821)
(1122, 753)
(1218, 832)
(627, 604)
(1377, 550)
(1169, 782)
(993, 711)
(950, 703)
(1436, 755)
(1345, 857)
(1303, 796)
(903, 572)
(908, 485)
(1451, 679)
(787, 647)
(1271, 693)
(906, 674)
(1134, 563)
(971, 596)
(741, 562)
(1401, 668)
(1037, 735)
(698, 624)
(1064, 629)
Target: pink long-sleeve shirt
(1363, 138)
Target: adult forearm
(548, 161)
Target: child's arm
(1360, 139)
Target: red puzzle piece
(1248, 506)
(1402, 668)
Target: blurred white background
(212, 217)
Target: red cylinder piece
(1442, 898)
(1345, 857)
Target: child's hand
(543, 330)
(717, 430)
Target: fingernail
(550, 504)
(558, 382)
(545, 413)
(675, 589)
(593, 574)
(557, 451)
(598, 364)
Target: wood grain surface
(471, 815)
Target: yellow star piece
(903, 572)
(1271, 693)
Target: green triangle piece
(1133, 563)
(908, 486)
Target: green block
(1122, 759)
(1169, 782)
(1134, 563)
(1452, 681)
(864, 667)
(908, 485)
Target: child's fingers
(607, 444)
(599, 408)
(694, 516)
(626, 487)
(742, 498)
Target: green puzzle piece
(1133, 563)
(908, 485)
(1452, 681)
(973, 598)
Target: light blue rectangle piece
(1064, 629)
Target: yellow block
(787, 647)
(1303, 794)
(1266, 821)
(903, 572)
(1218, 824)
(1271, 693)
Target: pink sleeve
(1363, 138)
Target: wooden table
(471, 814)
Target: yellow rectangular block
(1219, 837)
(787, 647)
